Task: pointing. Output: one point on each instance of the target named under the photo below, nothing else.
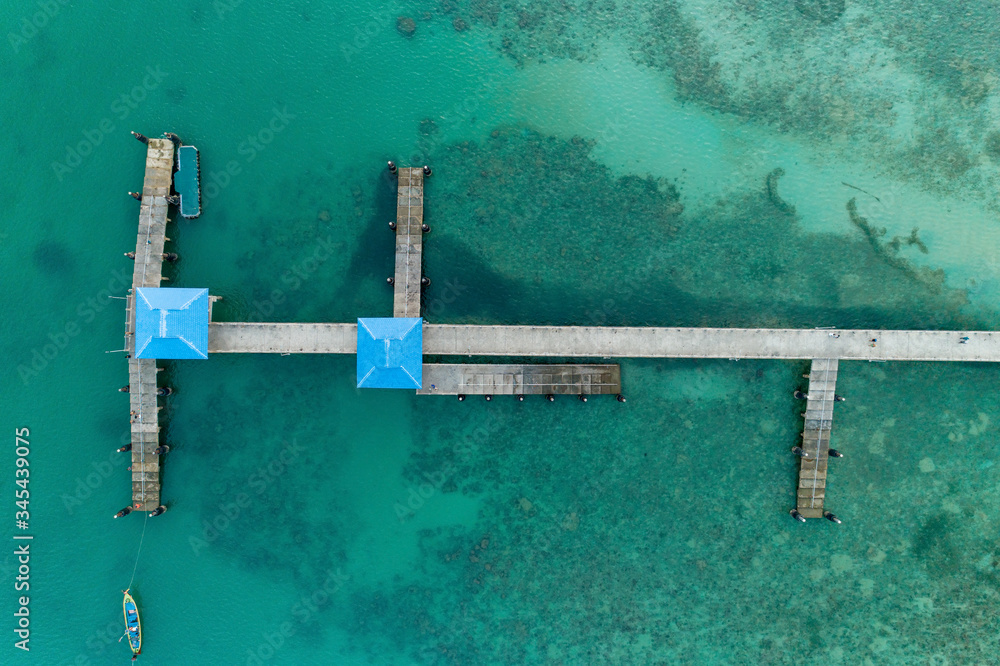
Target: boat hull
(133, 626)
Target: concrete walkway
(622, 342)
(148, 272)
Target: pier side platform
(409, 242)
(811, 493)
(482, 379)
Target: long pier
(545, 379)
(622, 342)
(824, 346)
(816, 437)
(148, 272)
(409, 242)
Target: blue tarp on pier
(171, 323)
(390, 353)
(187, 181)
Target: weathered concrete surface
(816, 437)
(623, 342)
(148, 272)
(519, 379)
(409, 242)
(257, 338)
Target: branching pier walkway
(409, 242)
(622, 342)
(816, 437)
(825, 347)
(148, 272)
(478, 379)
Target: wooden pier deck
(479, 379)
(816, 437)
(148, 272)
(621, 342)
(409, 242)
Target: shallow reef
(624, 251)
(890, 252)
(771, 187)
(499, 192)
(900, 84)
(599, 543)
(822, 11)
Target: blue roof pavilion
(390, 353)
(171, 323)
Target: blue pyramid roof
(171, 323)
(390, 353)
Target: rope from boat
(138, 552)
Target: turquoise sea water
(670, 163)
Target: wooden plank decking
(816, 437)
(409, 242)
(479, 379)
(148, 272)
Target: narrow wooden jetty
(148, 272)
(479, 379)
(816, 437)
(409, 242)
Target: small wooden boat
(132, 627)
